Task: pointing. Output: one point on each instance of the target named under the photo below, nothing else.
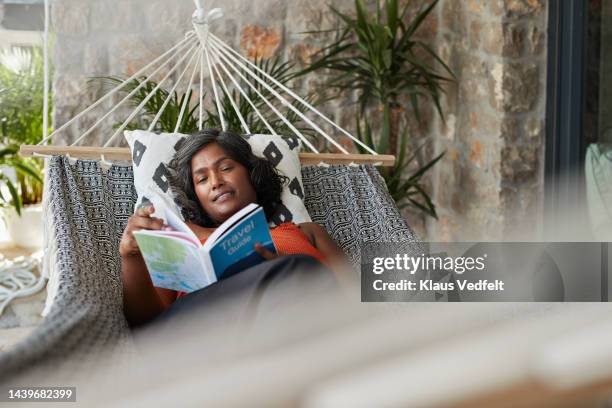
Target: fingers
(149, 223)
(128, 245)
(145, 211)
(264, 252)
(131, 246)
(141, 220)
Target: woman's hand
(265, 252)
(141, 220)
(141, 300)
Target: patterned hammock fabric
(87, 209)
(354, 207)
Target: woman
(213, 175)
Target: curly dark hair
(266, 180)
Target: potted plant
(21, 122)
(379, 56)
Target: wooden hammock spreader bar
(123, 154)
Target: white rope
(270, 105)
(214, 87)
(232, 102)
(104, 161)
(46, 74)
(128, 97)
(42, 156)
(243, 93)
(267, 102)
(151, 94)
(201, 98)
(186, 99)
(189, 37)
(17, 279)
(282, 99)
(298, 98)
(168, 98)
(294, 95)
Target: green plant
(29, 179)
(380, 57)
(281, 71)
(21, 122)
(404, 191)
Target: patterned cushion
(152, 152)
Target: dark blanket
(260, 290)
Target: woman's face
(222, 185)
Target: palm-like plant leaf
(15, 197)
(377, 56)
(380, 57)
(28, 170)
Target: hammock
(88, 208)
(88, 202)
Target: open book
(177, 260)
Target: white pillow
(151, 153)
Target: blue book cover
(234, 250)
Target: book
(177, 260)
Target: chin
(228, 209)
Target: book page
(166, 212)
(173, 263)
(180, 235)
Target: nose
(216, 180)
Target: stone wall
(490, 183)
(491, 177)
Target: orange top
(289, 239)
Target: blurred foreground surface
(333, 351)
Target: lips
(222, 195)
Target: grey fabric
(354, 207)
(90, 207)
(255, 294)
